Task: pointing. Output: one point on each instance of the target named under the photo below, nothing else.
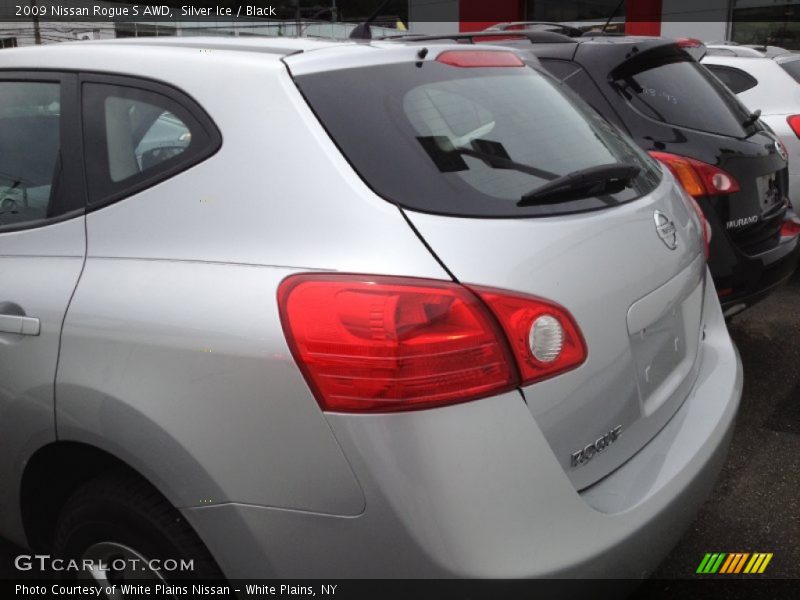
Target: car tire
(118, 515)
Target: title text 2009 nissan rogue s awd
(308, 309)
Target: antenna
(611, 16)
(362, 31)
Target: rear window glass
(681, 92)
(792, 67)
(440, 139)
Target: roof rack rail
(534, 37)
(567, 30)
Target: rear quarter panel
(173, 355)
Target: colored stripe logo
(734, 563)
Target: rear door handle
(19, 325)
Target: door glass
(30, 165)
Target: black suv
(655, 91)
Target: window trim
(101, 191)
(73, 189)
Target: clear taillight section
(377, 344)
(529, 326)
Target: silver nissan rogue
(291, 308)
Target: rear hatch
(684, 109)
(456, 143)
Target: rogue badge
(583, 456)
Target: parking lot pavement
(755, 506)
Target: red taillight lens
(790, 227)
(479, 58)
(373, 344)
(698, 178)
(794, 123)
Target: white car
(771, 86)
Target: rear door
(42, 248)
(626, 261)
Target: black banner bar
(730, 588)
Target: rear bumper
(475, 491)
(754, 278)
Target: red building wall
(475, 15)
(643, 17)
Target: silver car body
(172, 358)
(777, 96)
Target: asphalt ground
(755, 505)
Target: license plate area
(769, 190)
(664, 337)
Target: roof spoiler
(657, 50)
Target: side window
(139, 136)
(735, 79)
(30, 151)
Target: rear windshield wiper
(605, 175)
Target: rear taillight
(790, 227)
(373, 344)
(479, 58)
(698, 178)
(794, 123)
